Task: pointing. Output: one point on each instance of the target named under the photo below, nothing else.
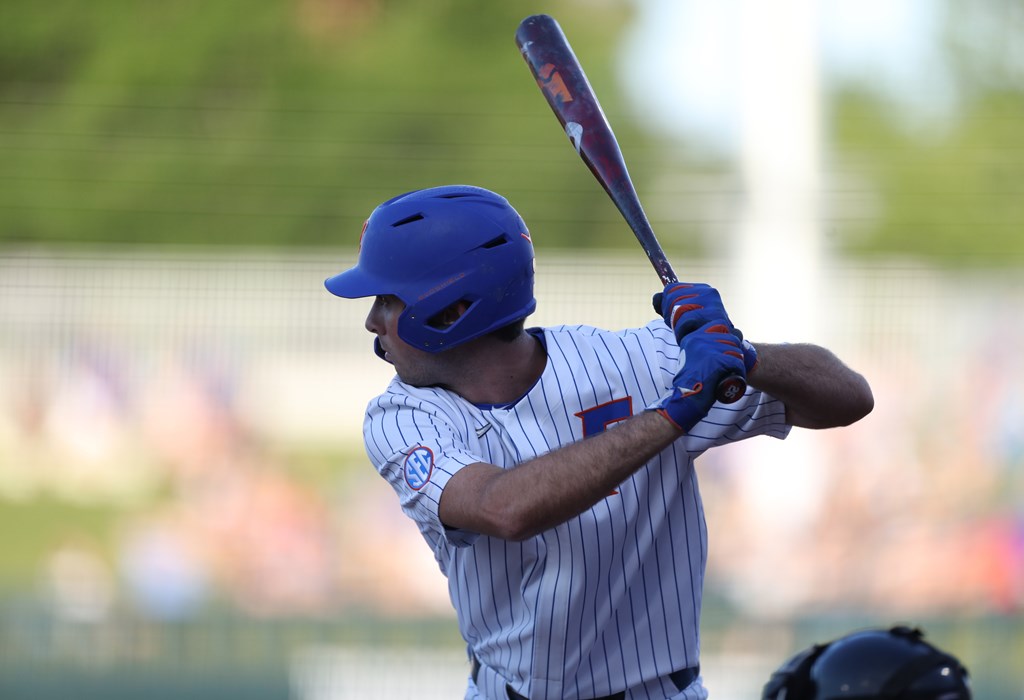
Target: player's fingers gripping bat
(574, 102)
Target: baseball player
(895, 663)
(551, 470)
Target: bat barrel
(569, 94)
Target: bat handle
(731, 389)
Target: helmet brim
(355, 283)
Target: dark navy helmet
(436, 247)
(894, 663)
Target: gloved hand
(710, 354)
(688, 306)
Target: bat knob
(731, 389)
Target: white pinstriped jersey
(609, 600)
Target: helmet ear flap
(449, 315)
(793, 680)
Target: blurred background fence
(186, 503)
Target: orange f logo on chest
(598, 418)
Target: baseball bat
(569, 94)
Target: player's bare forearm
(517, 503)
(818, 389)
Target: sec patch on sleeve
(418, 466)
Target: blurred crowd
(207, 511)
(917, 509)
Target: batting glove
(709, 355)
(686, 307)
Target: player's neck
(492, 371)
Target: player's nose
(373, 322)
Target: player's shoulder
(402, 397)
(655, 333)
(398, 393)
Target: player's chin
(415, 367)
(407, 372)
(382, 352)
(415, 380)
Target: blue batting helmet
(896, 663)
(436, 247)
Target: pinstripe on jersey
(610, 599)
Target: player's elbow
(515, 534)
(510, 511)
(508, 519)
(845, 406)
(865, 401)
(858, 401)
(479, 498)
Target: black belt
(681, 679)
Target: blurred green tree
(283, 122)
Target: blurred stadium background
(185, 506)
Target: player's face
(414, 366)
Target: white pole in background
(778, 241)
(740, 78)
(779, 257)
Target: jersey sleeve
(417, 445)
(757, 413)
